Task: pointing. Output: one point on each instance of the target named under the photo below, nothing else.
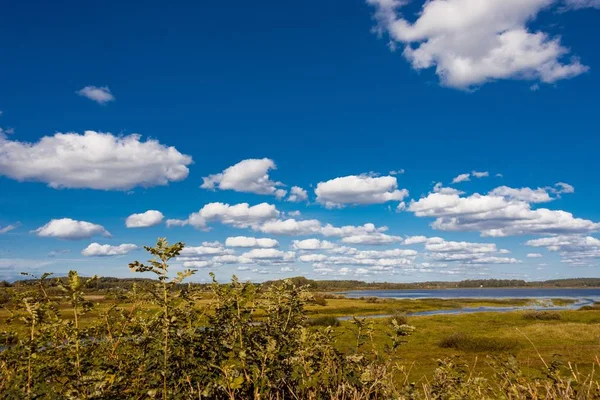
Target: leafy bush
(464, 342)
(319, 300)
(323, 321)
(247, 343)
(541, 315)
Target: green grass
(574, 338)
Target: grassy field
(572, 336)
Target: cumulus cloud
(247, 176)
(291, 227)
(103, 250)
(297, 194)
(198, 264)
(372, 261)
(100, 95)
(9, 228)
(69, 229)
(202, 251)
(470, 42)
(496, 216)
(469, 253)
(529, 195)
(93, 160)
(271, 256)
(239, 215)
(539, 195)
(312, 244)
(144, 220)
(415, 240)
(244, 241)
(439, 188)
(359, 190)
(573, 249)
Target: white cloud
(563, 188)
(103, 250)
(577, 4)
(270, 256)
(247, 176)
(439, 188)
(397, 172)
(144, 220)
(573, 249)
(93, 160)
(529, 195)
(374, 238)
(441, 250)
(202, 251)
(415, 240)
(461, 178)
(312, 244)
(69, 229)
(483, 174)
(244, 241)
(291, 227)
(297, 194)
(313, 258)
(239, 215)
(198, 264)
(534, 255)
(100, 95)
(9, 228)
(362, 189)
(374, 261)
(470, 42)
(496, 216)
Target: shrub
(464, 342)
(323, 321)
(400, 318)
(541, 315)
(319, 300)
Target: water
(543, 297)
(481, 293)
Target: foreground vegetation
(165, 339)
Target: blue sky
(330, 97)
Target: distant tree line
(110, 284)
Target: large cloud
(312, 244)
(103, 250)
(144, 220)
(239, 215)
(573, 249)
(496, 216)
(468, 253)
(361, 189)
(248, 176)
(245, 241)
(291, 227)
(93, 160)
(69, 229)
(470, 42)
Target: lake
(481, 293)
(582, 297)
